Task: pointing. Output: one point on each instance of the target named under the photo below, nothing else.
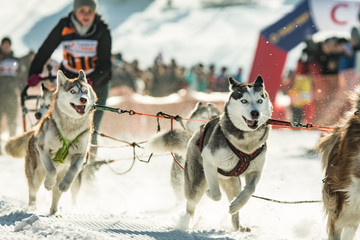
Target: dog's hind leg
(334, 229)
(195, 187)
(35, 175)
(56, 193)
(75, 187)
(232, 188)
(177, 179)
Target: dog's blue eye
(244, 101)
(72, 91)
(260, 101)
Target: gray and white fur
(244, 125)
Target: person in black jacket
(86, 44)
(9, 90)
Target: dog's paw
(64, 185)
(49, 182)
(32, 206)
(53, 211)
(244, 229)
(184, 222)
(215, 197)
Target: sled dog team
(214, 155)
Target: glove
(34, 80)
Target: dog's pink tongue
(250, 122)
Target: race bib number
(80, 54)
(8, 67)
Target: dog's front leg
(212, 179)
(251, 180)
(51, 173)
(72, 172)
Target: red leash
(284, 124)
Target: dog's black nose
(254, 114)
(83, 100)
(38, 115)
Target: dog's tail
(169, 141)
(17, 146)
(328, 146)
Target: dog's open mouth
(80, 109)
(251, 123)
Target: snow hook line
(274, 122)
(286, 202)
(134, 145)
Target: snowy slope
(141, 204)
(141, 29)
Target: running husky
(56, 149)
(45, 101)
(341, 196)
(176, 141)
(228, 146)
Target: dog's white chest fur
(225, 159)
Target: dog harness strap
(244, 160)
(200, 141)
(203, 129)
(63, 151)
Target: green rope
(64, 150)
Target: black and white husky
(228, 146)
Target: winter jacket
(9, 67)
(91, 52)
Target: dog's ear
(198, 105)
(44, 88)
(259, 84)
(82, 76)
(61, 78)
(232, 83)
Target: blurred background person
(9, 90)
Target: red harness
(244, 159)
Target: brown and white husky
(56, 149)
(341, 162)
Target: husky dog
(45, 101)
(176, 141)
(228, 146)
(340, 159)
(56, 149)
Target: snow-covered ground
(141, 204)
